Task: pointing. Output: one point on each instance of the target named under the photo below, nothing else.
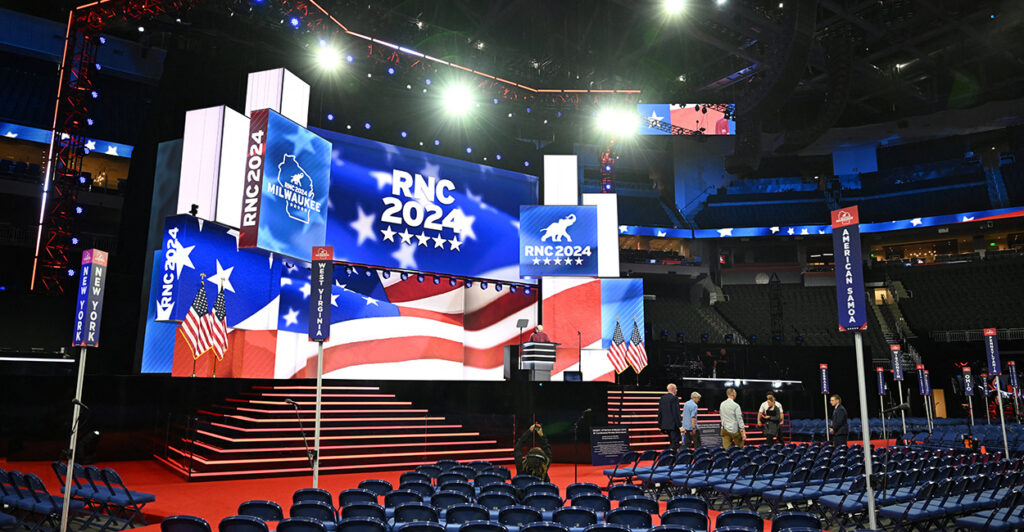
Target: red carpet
(216, 500)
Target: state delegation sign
(849, 274)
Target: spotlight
(419, 278)
(495, 101)
(527, 291)
(94, 94)
(405, 276)
(526, 164)
(457, 100)
(498, 156)
(369, 272)
(437, 142)
(89, 121)
(497, 287)
(720, 2)
(512, 289)
(142, 29)
(469, 149)
(404, 134)
(327, 56)
(103, 40)
(78, 209)
(469, 284)
(427, 81)
(681, 337)
(349, 58)
(366, 125)
(673, 7)
(483, 285)
(81, 179)
(99, 66)
(330, 117)
(437, 280)
(452, 282)
(607, 168)
(71, 272)
(294, 21)
(386, 274)
(608, 186)
(74, 241)
(619, 123)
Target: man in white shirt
(733, 429)
(764, 406)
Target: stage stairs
(638, 411)
(257, 434)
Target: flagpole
(319, 394)
(69, 476)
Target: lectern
(539, 359)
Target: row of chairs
(32, 506)
(106, 498)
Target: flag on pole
(219, 326)
(196, 327)
(618, 349)
(635, 353)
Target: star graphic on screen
(803, 231)
(623, 228)
(11, 135)
(916, 222)
(725, 232)
(479, 198)
(423, 238)
(789, 231)
(404, 256)
(363, 225)
(536, 261)
(371, 301)
(558, 261)
(334, 300)
(302, 140)
(662, 233)
(389, 235)
(439, 241)
(654, 118)
(406, 236)
(112, 150)
(774, 229)
(181, 257)
(90, 145)
(383, 179)
(464, 224)
(579, 261)
(547, 261)
(305, 290)
(291, 318)
(223, 278)
(455, 243)
(285, 281)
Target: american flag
(618, 351)
(636, 353)
(218, 325)
(196, 326)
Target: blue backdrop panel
(621, 300)
(558, 240)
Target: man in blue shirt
(690, 421)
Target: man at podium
(539, 335)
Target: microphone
(905, 407)
(291, 402)
(79, 403)
(587, 411)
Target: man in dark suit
(669, 418)
(840, 422)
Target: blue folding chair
(447, 499)
(312, 494)
(621, 491)
(129, 502)
(631, 518)
(380, 487)
(356, 496)
(543, 526)
(641, 502)
(265, 510)
(687, 518)
(575, 518)
(242, 523)
(581, 488)
(364, 510)
(689, 502)
(504, 489)
(411, 512)
(317, 510)
(740, 520)
(795, 520)
(458, 515)
(483, 526)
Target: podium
(534, 363)
(539, 359)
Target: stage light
(369, 272)
(512, 289)
(349, 58)
(99, 66)
(89, 121)
(103, 40)
(327, 56)
(483, 286)
(408, 87)
(607, 168)
(142, 29)
(94, 94)
(437, 280)
(420, 278)
(404, 134)
(391, 71)
(526, 164)
(367, 125)
(437, 142)
(457, 100)
(498, 156)
(608, 186)
(527, 109)
(452, 282)
(71, 272)
(620, 123)
(78, 209)
(405, 276)
(510, 115)
(294, 21)
(330, 117)
(479, 45)
(469, 284)
(673, 7)
(427, 81)
(527, 291)
(348, 126)
(720, 2)
(74, 241)
(386, 274)
(469, 149)
(498, 287)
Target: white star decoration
(285, 281)
(371, 301)
(223, 278)
(389, 235)
(111, 150)
(456, 243)
(439, 241)
(654, 118)
(334, 300)
(363, 225)
(579, 261)
(405, 257)
(968, 219)
(305, 290)
(774, 229)
(558, 262)
(90, 145)
(915, 222)
(423, 238)
(479, 198)
(464, 224)
(406, 236)
(291, 318)
(181, 257)
(547, 261)
(789, 231)
(536, 261)
(11, 135)
(383, 179)
(725, 232)
(623, 228)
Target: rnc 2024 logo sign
(557, 240)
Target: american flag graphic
(635, 353)
(196, 327)
(219, 326)
(618, 351)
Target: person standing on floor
(772, 417)
(690, 421)
(840, 422)
(734, 431)
(668, 416)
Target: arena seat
(265, 510)
(242, 523)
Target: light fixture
(327, 56)
(457, 100)
(673, 8)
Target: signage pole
(1011, 366)
(881, 413)
(825, 389)
(69, 478)
(984, 382)
(88, 311)
(865, 431)
(897, 375)
(903, 415)
(319, 402)
(321, 282)
(1002, 416)
(824, 398)
(970, 409)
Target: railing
(976, 335)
